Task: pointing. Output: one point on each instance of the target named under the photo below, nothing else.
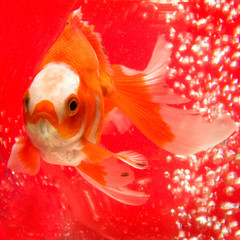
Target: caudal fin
(144, 97)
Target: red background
(58, 203)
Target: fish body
(77, 89)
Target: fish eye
(26, 100)
(73, 105)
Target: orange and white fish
(74, 91)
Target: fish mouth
(46, 116)
(45, 110)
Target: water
(195, 197)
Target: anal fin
(107, 172)
(96, 153)
(120, 194)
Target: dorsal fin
(93, 38)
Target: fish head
(53, 106)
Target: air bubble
(236, 31)
(226, 8)
(201, 221)
(237, 183)
(236, 55)
(176, 179)
(170, 17)
(172, 211)
(237, 234)
(235, 81)
(145, 15)
(236, 100)
(202, 210)
(196, 48)
(237, 158)
(229, 191)
(166, 174)
(210, 27)
(218, 157)
(229, 97)
(181, 234)
(217, 56)
(217, 227)
(187, 177)
(225, 38)
(185, 60)
(183, 47)
(225, 168)
(206, 192)
(169, 158)
(221, 236)
(201, 23)
(233, 224)
(210, 3)
(172, 33)
(230, 155)
(233, 64)
(176, 84)
(4, 144)
(233, 13)
(211, 175)
(188, 78)
(235, 41)
(194, 238)
(230, 178)
(229, 206)
(182, 87)
(211, 206)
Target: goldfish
(76, 91)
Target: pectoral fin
(24, 158)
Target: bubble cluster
(206, 55)
(207, 211)
(204, 67)
(6, 133)
(212, 182)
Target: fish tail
(144, 97)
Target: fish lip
(44, 110)
(44, 115)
